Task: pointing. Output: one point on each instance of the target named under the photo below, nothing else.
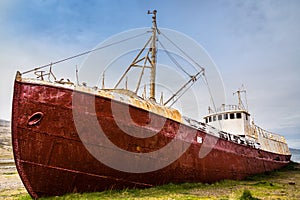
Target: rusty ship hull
(52, 159)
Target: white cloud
(256, 43)
(21, 54)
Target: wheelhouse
(231, 120)
(227, 116)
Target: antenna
(144, 92)
(77, 79)
(240, 102)
(103, 76)
(162, 98)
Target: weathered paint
(52, 160)
(245, 127)
(118, 95)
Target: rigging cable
(193, 80)
(86, 52)
(211, 96)
(182, 51)
(246, 101)
(173, 59)
(182, 94)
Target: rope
(84, 53)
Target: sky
(253, 43)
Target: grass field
(281, 184)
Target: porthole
(35, 118)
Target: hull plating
(52, 159)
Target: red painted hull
(52, 160)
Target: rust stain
(52, 160)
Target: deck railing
(224, 108)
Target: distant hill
(295, 155)
(4, 123)
(5, 137)
(296, 151)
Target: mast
(153, 56)
(239, 99)
(148, 59)
(240, 102)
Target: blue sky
(255, 43)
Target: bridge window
(209, 119)
(231, 115)
(219, 117)
(226, 116)
(206, 120)
(238, 115)
(246, 116)
(214, 118)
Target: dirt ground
(11, 185)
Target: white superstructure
(230, 119)
(236, 121)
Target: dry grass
(282, 184)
